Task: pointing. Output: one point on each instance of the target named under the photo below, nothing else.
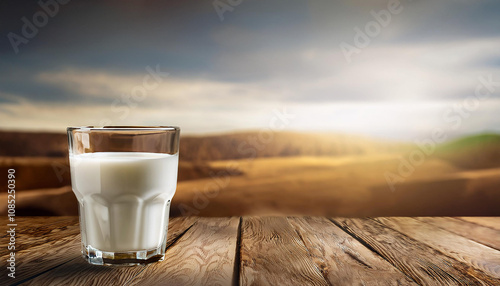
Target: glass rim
(123, 128)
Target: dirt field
(460, 178)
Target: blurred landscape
(351, 85)
(285, 173)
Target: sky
(389, 69)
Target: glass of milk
(124, 178)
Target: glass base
(129, 258)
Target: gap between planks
(169, 244)
(237, 256)
(207, 252)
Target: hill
(52, 172)
(217, 147)
(33, 144)
(472, 152)
(246, 145)
(288, 173)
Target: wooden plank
(423, 264)
(34, 231)
(485, 235)
(342, 259)
(204, 255)
(272, 253)
(491, 222)
(460, 248)
(80, 272)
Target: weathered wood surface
(34, 231)
(492, 222)
(273, 251)
(342, 259)
(55, 253)
(97, 275)
(485, 235)
(424, 264)
(42, 257)
(472, 253)
(204, 255)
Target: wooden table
(273, 251)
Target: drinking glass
(124, 178)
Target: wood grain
(80, 272)
(425, 265)
(34, 231)
(272, 253)
(342, 259)
(484, 235)
(460, 248)
(43, 257)
(491, 222)
(204, 255)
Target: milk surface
(124, 198)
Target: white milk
(124, 198)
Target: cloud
(264, 55)
(172, 90)
(400, 121)
(384, 72)
(192, 119)
(370, 95)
